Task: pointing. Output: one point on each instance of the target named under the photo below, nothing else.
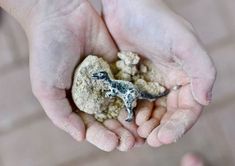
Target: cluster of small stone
(127, 66)
(111, 113)
(129, 69)
(150, 87)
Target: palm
(158, 34)
(58, 43)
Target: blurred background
(28, 137)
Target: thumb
(102, 42)
(105, 46)
(200, 68)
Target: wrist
(20, 10)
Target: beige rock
(123, 76)
(153, 74)
(143, 68)
(87, 93)
(132, 70)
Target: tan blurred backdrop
(28, 138)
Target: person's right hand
(60, 34)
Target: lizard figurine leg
(130, 115)
(129, 109)
(110, 94)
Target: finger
(98, 135)
(60, 112)
(172, 101)
(200, 68)
(172, 106)
(143, 112)
(101, 40)
(130, 126)
(202, 90)
(161, 101)
(146, 128)
(158, 112)
(166, 117)
(161, 114)
(152, 139)
(181, 120)
(126, 139)
(192, 159)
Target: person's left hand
(151, 29)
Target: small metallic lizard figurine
(125, 90)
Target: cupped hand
(60, 34)
(150, 28)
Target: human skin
(192, 159)
(60, 34)
(151, 29)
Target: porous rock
(88, 94)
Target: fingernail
(154, 142)
(157, 144)
(78, 136)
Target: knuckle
(59, 122)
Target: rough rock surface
(89, 95)
(146, 78)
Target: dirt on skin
(89, 95)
